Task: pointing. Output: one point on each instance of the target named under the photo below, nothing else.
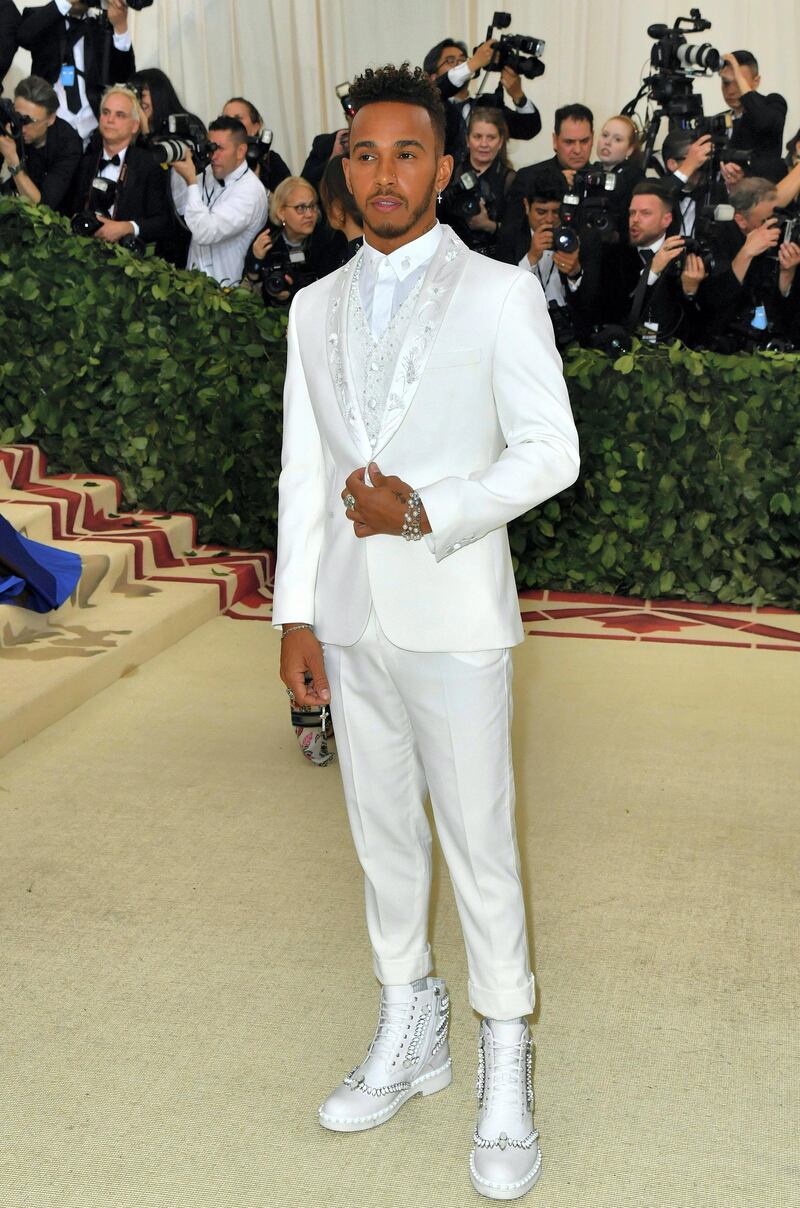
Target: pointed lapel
(338, 358)
(443, 275)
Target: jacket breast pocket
(454, 358)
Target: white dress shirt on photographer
(224, 218)
(84, 120)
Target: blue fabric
(42, 576)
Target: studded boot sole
(504, 1191)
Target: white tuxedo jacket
(478, 421)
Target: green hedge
(691, 461)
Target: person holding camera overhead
(296, 247)
(72, 50)
(474, 203)
(118, 182)
(224, 206)
(261, 155)
(51, 150)
(757, 119)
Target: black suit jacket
(142, 191)
(761, 128)
(620, 271)
(318, 157)
(42, 31)
(9, 24)
(53, 167)
(520, 125)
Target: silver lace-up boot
(408, 1056)
(505, 1162)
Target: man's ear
(444, 171)
(740, 222)
(241, 152)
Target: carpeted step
(146, 583)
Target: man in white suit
(396, 596)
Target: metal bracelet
(294, 629)
(411, 530)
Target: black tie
(106, 163)
(72, 91)
(646, 255)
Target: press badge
(68, 76)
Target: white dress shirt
(654, 248)
(385, 281)
(113, 172)
(84, 120)
(224, 218)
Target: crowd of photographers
(702, 244)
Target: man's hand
(788, 259)
(481, 221)
(569, 175)
(693, 273)
(380, 508)
(185, 167)
(112, 231)
(732, 174)
(512, 83)
(742, 82)
(699, 152)
(8, 150)
(541, 241)
(482, 55)
(762, 238)
(301, 654)
(568, 263)
(341, 144)
(118, 15)
(671, 248)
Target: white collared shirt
(460, 75)
(114, 171)
(224, 219)
(385, 281)
(84, 120)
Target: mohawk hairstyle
(408, 85)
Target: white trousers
(408, 724)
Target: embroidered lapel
(338, 360)
(444, 273)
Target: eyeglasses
(453, 61)
(305, 207)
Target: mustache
(386, 193)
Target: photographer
(573, 135)
(159, 101)
(323, 148)
(474, 202)
(686, 160)
(72, 49)
(297, 247)
(9, 24)
(619, 152)
(757, 119)
(224, 207)
(261, 155)
(753, 298)
(52, 149)
(640, 285)
(132, 182)
(568, 285)
(449, 65)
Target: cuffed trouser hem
(503, 1004)
(404, 970)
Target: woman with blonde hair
(296, 247)
(475, 200)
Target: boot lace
(394, 1022)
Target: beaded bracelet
(411, 529)
(294, 629)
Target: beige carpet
(185, 971)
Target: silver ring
(290, 694)
(349, 501)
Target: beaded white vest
(373, 360)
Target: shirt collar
(407, 258)
(654, 247)
(121, 153)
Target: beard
(393, 230)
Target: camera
(672, 53)
(284, 262)
(788, 224)
(183, 134)
(258, 149)
(587, 205)
(517, 51)
(463, 196)
(718, 127)
(136, 5)
(343, 93)
(101, 203)
(563, 326)
(13, 123)
(707, 224)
